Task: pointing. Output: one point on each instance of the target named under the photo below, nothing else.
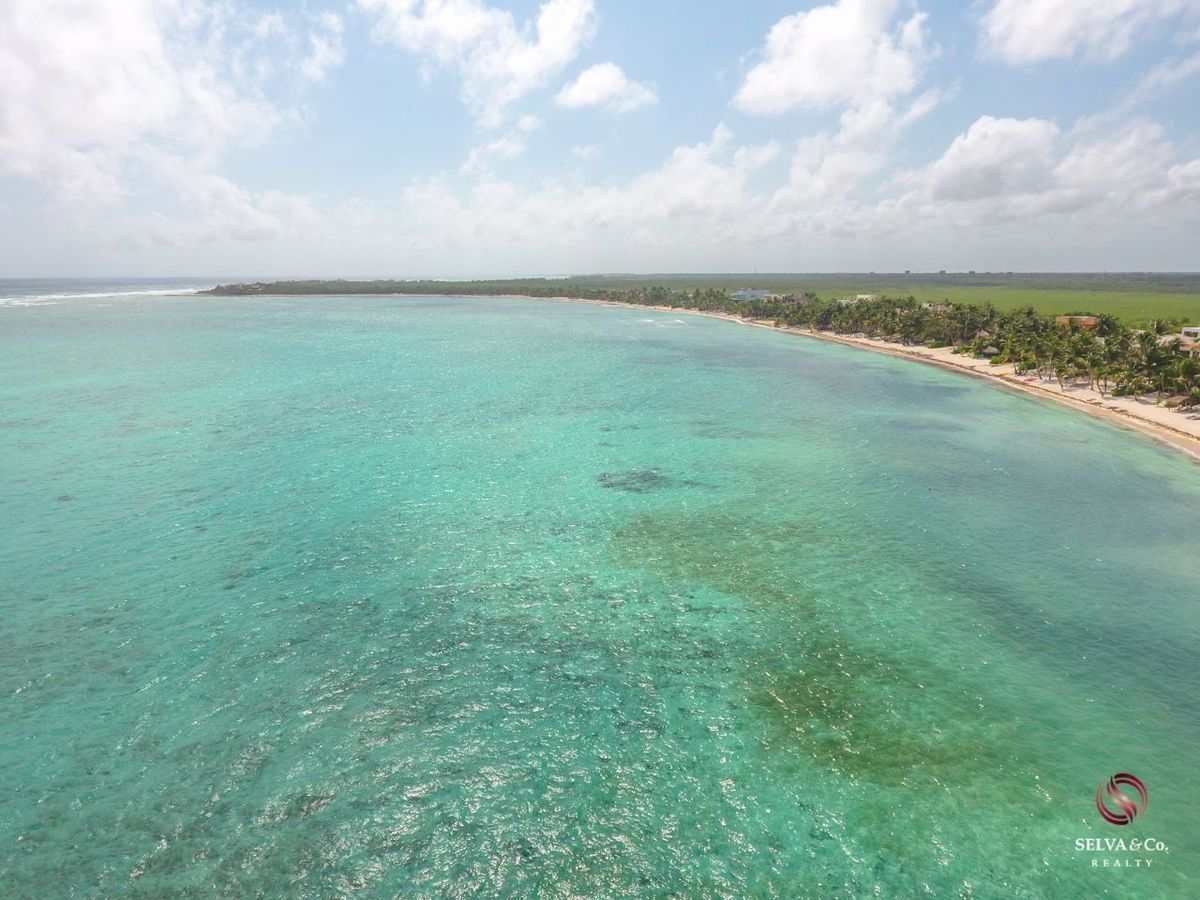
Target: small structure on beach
(750, 294)
(1187, 341)
(1087, 323)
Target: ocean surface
(447, 597)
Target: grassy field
(1134, 298)
(1131, 307)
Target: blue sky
(456, 138)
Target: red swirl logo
(1128, 809)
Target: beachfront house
(746, 295)
(858, 298)
(1087, 323)
(1187, 341)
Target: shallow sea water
(441, 597)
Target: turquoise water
(457, 597)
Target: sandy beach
(1178, 429)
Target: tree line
(1107, 356)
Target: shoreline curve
(1125, 412)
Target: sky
(482, 138)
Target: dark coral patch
(637, 481)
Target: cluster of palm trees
(1110, 358)
(1104, 354)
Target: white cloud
(855, 55)
(702, 190)
(995, 157)
(1028, 31)
(1004, 171)
(82, 89)
(133, 104)
(325, 49)
(1019, 187)
(705, 180)
(1012, 193)
(607, 86)
(1162, 77)
(824, 176)
(117, 105)
(848, 54)
(268, 49)
(499, 63)
(227, 209)
(1115, 170)
(858, 56)
(508, 146)
(1183, 184)
(1019, 180)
